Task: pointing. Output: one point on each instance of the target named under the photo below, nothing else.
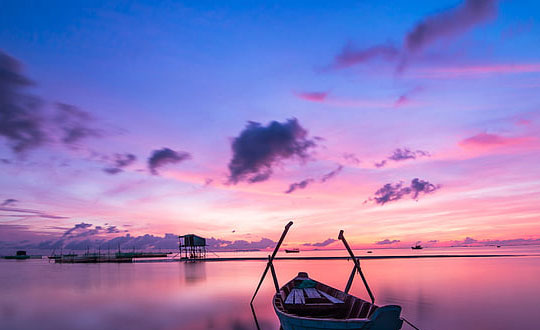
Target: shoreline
(335, 258)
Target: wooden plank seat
(312, 293)
(314, 296)
(332, 299)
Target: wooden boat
(417, 247)
(292, 250)
(306, 304)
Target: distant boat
(292, 250)
(417, 247)
(369, 251)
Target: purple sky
(417, 121)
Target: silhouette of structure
(192, 246)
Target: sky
(415, 121)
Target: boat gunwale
(325, 319)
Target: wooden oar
(357, 266)
(271, 258)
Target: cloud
(312, 96)
(77, 228)
(165, 156)
(477, 70)
(399, 155)
(406, 98)
(450, 23)
(74, 124)
(433, 28)
(321, 244)
(119, 162)
(394, 192)
(405, 154)
(350, 56)
(387, 241)
(8, 202)
(332, 174)
(298, 185)
(258, 148)
(25, 124)
(490, 140)
(21, 121)
(26, 213)
(351, 158)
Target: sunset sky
(402, 122)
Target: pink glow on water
(216, 295)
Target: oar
(271, 258)
(357, 265)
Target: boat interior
(303, 296)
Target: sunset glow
(229, 120)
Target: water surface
(435, 293)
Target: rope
(409, 323)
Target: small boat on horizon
(417, 247)
(296, 250)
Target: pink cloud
(524, 122)
(312, 96)
(490, 140)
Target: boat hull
(390, 321)
(382, 318)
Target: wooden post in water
(270, 259)
(357, 266)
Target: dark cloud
(119, 162)
(258, 148)
(21, 120)
(469, 240)
(394, 192)
(380, 164)
(402, 154)
(431, 29)
(433, 241)
(332, 174)
(165, 156)
(321, 244)
(77, 228)
(450, 23)
(74, 124)
(9, 201)
(387, 241)
(299, 185)
(25, 124)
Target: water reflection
(443, 294)
(194, 272)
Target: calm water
(449, 293)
